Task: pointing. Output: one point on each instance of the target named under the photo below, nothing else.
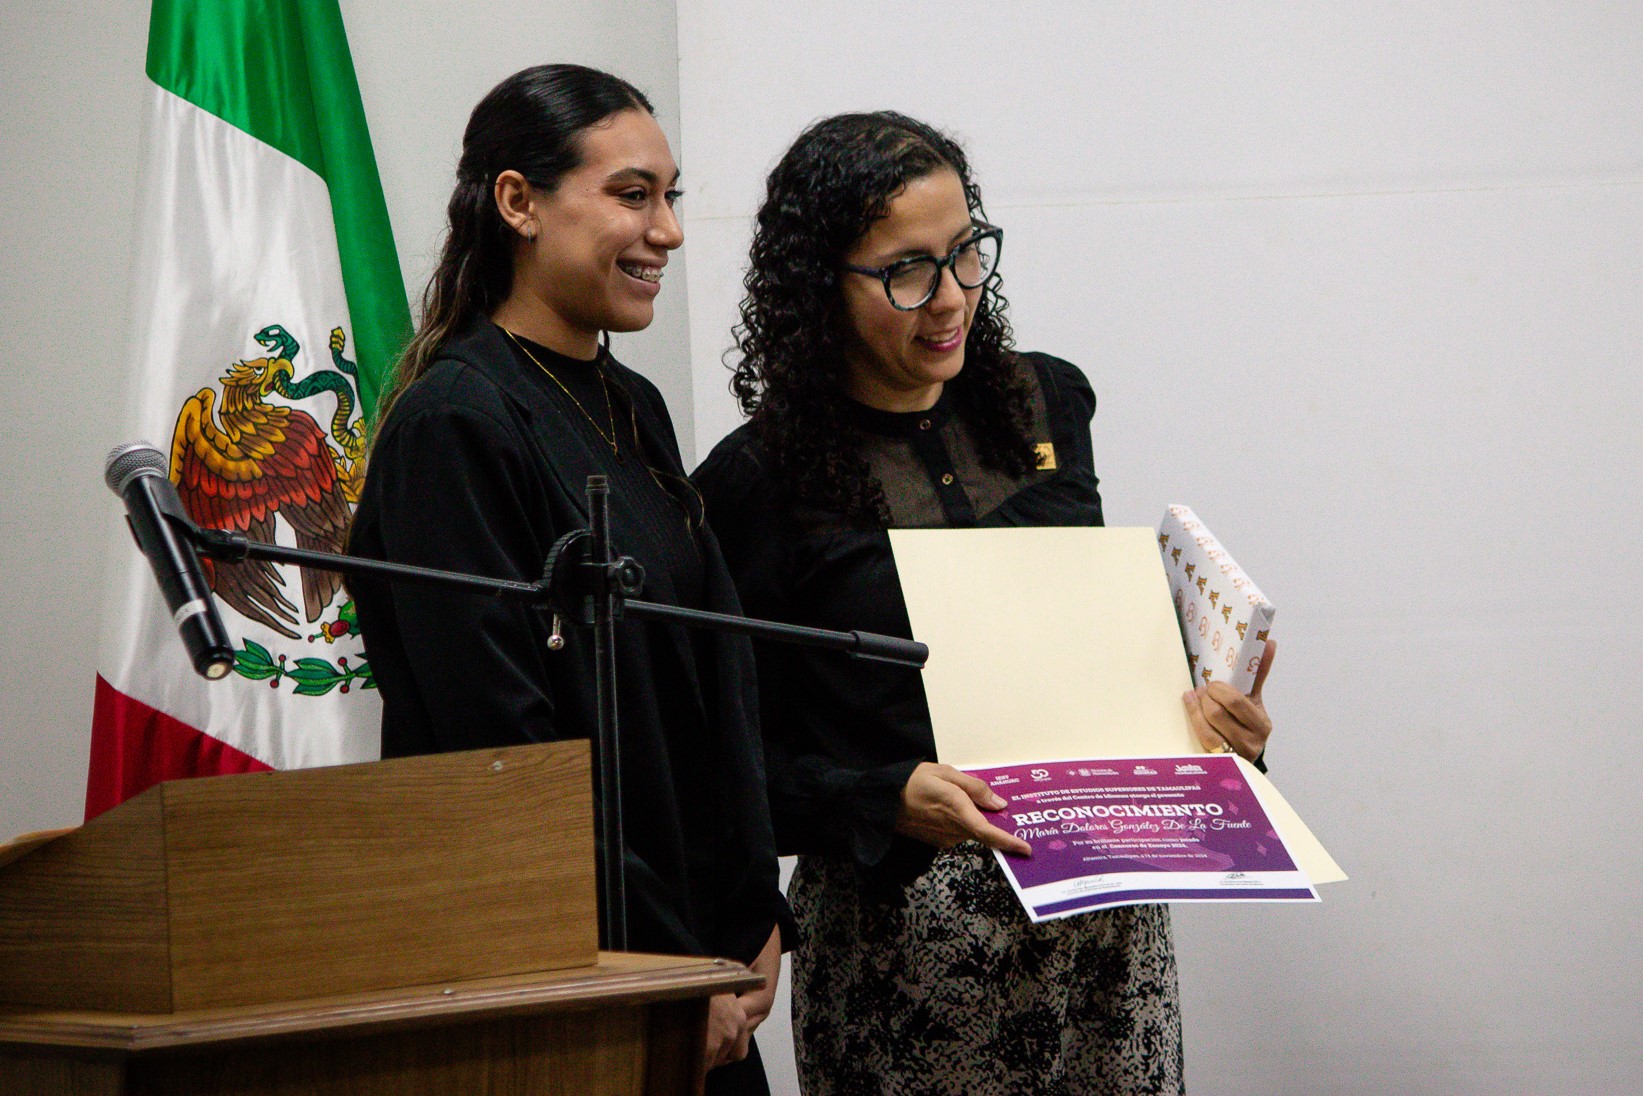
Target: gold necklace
(610, 409)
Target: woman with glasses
(882, 392)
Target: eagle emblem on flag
(245, 463)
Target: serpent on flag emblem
(244, 461)
(269, 305)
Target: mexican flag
(268, 308)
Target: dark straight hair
(531, 123)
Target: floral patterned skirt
(956, 991)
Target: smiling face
(592, 249)
(898, 361)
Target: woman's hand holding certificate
(942, 806)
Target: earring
(529, 232)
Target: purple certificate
(1159, 829)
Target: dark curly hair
(840, 177)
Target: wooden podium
(417, 926)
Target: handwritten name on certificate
(1118, 832)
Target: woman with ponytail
(505, 401)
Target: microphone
(136, 472)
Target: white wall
(1386, 252)
(66, 206)
(423, 64)
(72, 86)
(1360, 283)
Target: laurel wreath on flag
(313, 676)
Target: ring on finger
(1224, 748)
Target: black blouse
(479, 467)
(843, 736)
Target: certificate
(1157, 829)
(1068, 638)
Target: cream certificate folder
(1059, 642)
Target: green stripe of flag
(280, 70)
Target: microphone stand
(585, 582)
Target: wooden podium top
(616, 979)
(269, 887)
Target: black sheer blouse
(843, 736)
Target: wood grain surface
(38, 1072)
(575, 1053)
(616, 979)
(629, 1024)
(402, 872)
(287, 885)
(82, 918)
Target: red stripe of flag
(134, 747)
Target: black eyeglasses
(911, 282)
